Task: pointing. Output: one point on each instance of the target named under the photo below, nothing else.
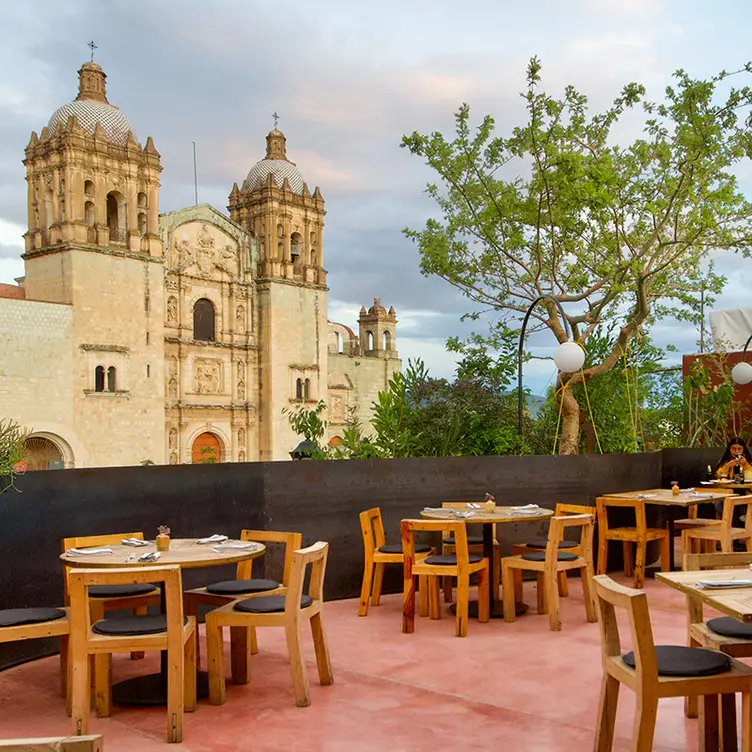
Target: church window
(296, 247)
(369, 335)
(88, 188)
(99, 379)
(90, 213)
(299, 389)
(111, 379)
(307, 389)
(203, 320)
(340, 343)
(148, 371)
(116, 216)
(387, 341)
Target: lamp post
(741, 373)
(569, 356)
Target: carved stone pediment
(202, 249)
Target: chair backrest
(291, 541)
(316, 557)
(610, 596)
(456, 528)
(82, 579)
(83, 541)
(730, 503)
(372, 529)
(563, 509)
(638, 505)
(557, 530)
(698, 562)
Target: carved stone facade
(191, 331)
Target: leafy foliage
(12, 443)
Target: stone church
(172, 338)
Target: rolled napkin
(700, 495)
(723, 584)
(88, 551)
(213, 539)
(461, 514)
(150, 556)
(645, 496)
(134, 542)
(527, 509)
(438, 510)
(234, 547)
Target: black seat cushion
(679, 660)
(542, 542)
(240, 587)
(268, 604)
(130, 626)
(730, 627)
(450, 559)
(121, 591)
(472, 540)
(15, 617)
(541, 556)
(396, 548)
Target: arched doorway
(206, 450)
(42, 454)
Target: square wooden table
(666, 498)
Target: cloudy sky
(348, 79)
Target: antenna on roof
(195, 176)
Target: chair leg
(175, 690)
(189, 676)
(586, 575)
(552, 600)
(746, 745)
(727, 724)
(423, 595)
(517, 575)
(240, 655)
(563, 585)
(691, 702)
(323, 663)
(64, 665)
(254, 641)
(602, 554)
(138, 655)
(297, 666)
(103, 684)
(215, 661)
(463, 601)
(639, 567)
(666, 544)
(365, 589)
(408, 606)
(484, 590)
(508, 591)
(604, 733)
(378, 579)
(708, 731)
(628, 563)
(643, 730)
(447, 589)
(541, 588)
(80, 689)
(434, 597)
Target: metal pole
(521, 347)
(195, 176)
(746, 345)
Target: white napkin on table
(213, 539)
(150, 556)
(234, 547)
(723, 584)
(527, 509)
(88, 551)
(645, 496)
(134, 542)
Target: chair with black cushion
(171, 632)
(722, 633)
(377, 554)
(548, 566)
(653, 672)
(136, 597)
(475, 546)
(288, 610)
(539, 544)
(461, 564)
(18, 624)
(723, 533)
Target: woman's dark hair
(727, 453)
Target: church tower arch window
(116, 216)
(387, 341)
(143, 222)
(307, 389)
(203, 320)
(296, 248)
(112, 379)
(89, 190)
(299, 389)
(99, 379)
(369, 336)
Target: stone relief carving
(172, 388)
(241, 436)
(207, 376)
(172, 310)
(174, 458)
(241, 456)
(241, 370)
(337, 407)
(173, 438)
(241, 391)
(206, 247)
(240, 318)
(205, 253)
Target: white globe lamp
(741, 373)
(570, 357)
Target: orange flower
(20, 467)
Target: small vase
(163, 542)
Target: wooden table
(186, 553)
(488, 519)
(665, 498)
(737, 487)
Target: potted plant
(12, 444)
(163, 538)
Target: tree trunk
(570, 423)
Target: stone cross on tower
(92, 47)
(276, 120)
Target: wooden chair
(655, 672)
(460, 564)
(288, 610)
(539, 544)
(723, 533)
(227, 591)
(18, 624)
(733, 638)
(101, 639)
(474, 546)
(640, 535)
(377, 554)
(692, 520)
(54, 744)
(136, 597)
(548, 566)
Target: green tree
(616, 233)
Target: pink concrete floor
(505, 686)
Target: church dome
(91, 107)
(276, 164)
(377, 309)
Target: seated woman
(737, 453)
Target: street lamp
(569, 356)
(741, 373)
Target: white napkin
(723, 584)
(88, 551)
(150, 556)
(707, 482)
(527, 509)
(234, 547)
(134, 542)
(213, 539)
(700, 495)
(438, 510)
(462, 514)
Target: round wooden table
(499, 516)
(186, 553)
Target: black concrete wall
(321, 499)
